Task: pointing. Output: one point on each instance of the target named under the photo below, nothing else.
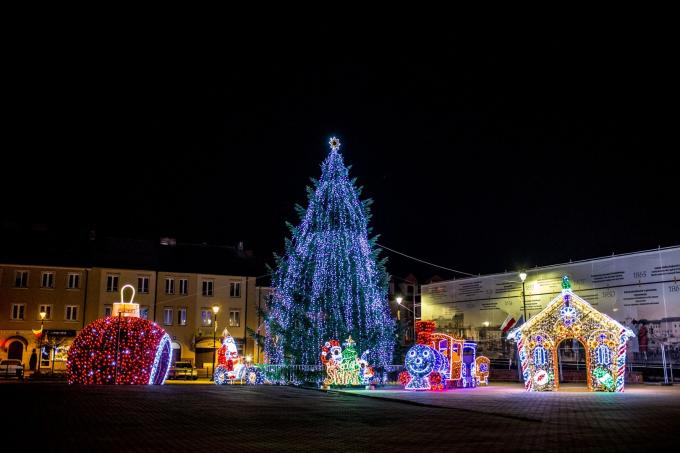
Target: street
(271, 418)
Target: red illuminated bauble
(120, 350)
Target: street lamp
(523, 276)
(215, 309)
(42, 333)
(399, 300)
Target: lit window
(206, 316)
(182, 316)
(167, 316)
(234, 318)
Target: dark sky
(481, 153)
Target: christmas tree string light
(330, 283)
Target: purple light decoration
(330, 283)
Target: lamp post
(399, 300)
(215, 309)
(523, 276)
(42, 333)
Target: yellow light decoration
(568, 316)
(126, 309)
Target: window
(208, 287)
(183, 286)
(143, 284)
(111, 283)
(206, 316)
(73, 281)
(235, 289)
(107, 310)
(47, 280)
(234, 318)
(182, 316)
(21, 279)
(18, 312)
(167, 316)
(47, 309)
(169, 285)
(144, 312)
(71, 313)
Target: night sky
(480, 153)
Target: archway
(16, 350)
(567, 331)
(571, 364)
(176, 352)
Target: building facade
(25, 292)
(639, 290)
(181, 303)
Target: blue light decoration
(469, 378)
(603, 355)
(421, 360)
(540, 356)
(330, 283)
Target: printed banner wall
(640, 290)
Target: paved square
(272, 418)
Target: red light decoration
(404, 378)
(436, 381)
(424, 330)
(123, 350)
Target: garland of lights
(124, 349)
(570, 317)
(330, 283)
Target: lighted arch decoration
(568, 316)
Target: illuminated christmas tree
(330, 283)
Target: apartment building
(176, 286)
(26, 291)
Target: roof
(575, 300)
(48, 249)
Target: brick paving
(272, 418)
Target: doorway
(571, 363)
(16, 351)
(176, 352)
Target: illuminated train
(445, 362)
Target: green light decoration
(349, 366)
(604, 378)
(566, 284)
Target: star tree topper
(335, 143)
